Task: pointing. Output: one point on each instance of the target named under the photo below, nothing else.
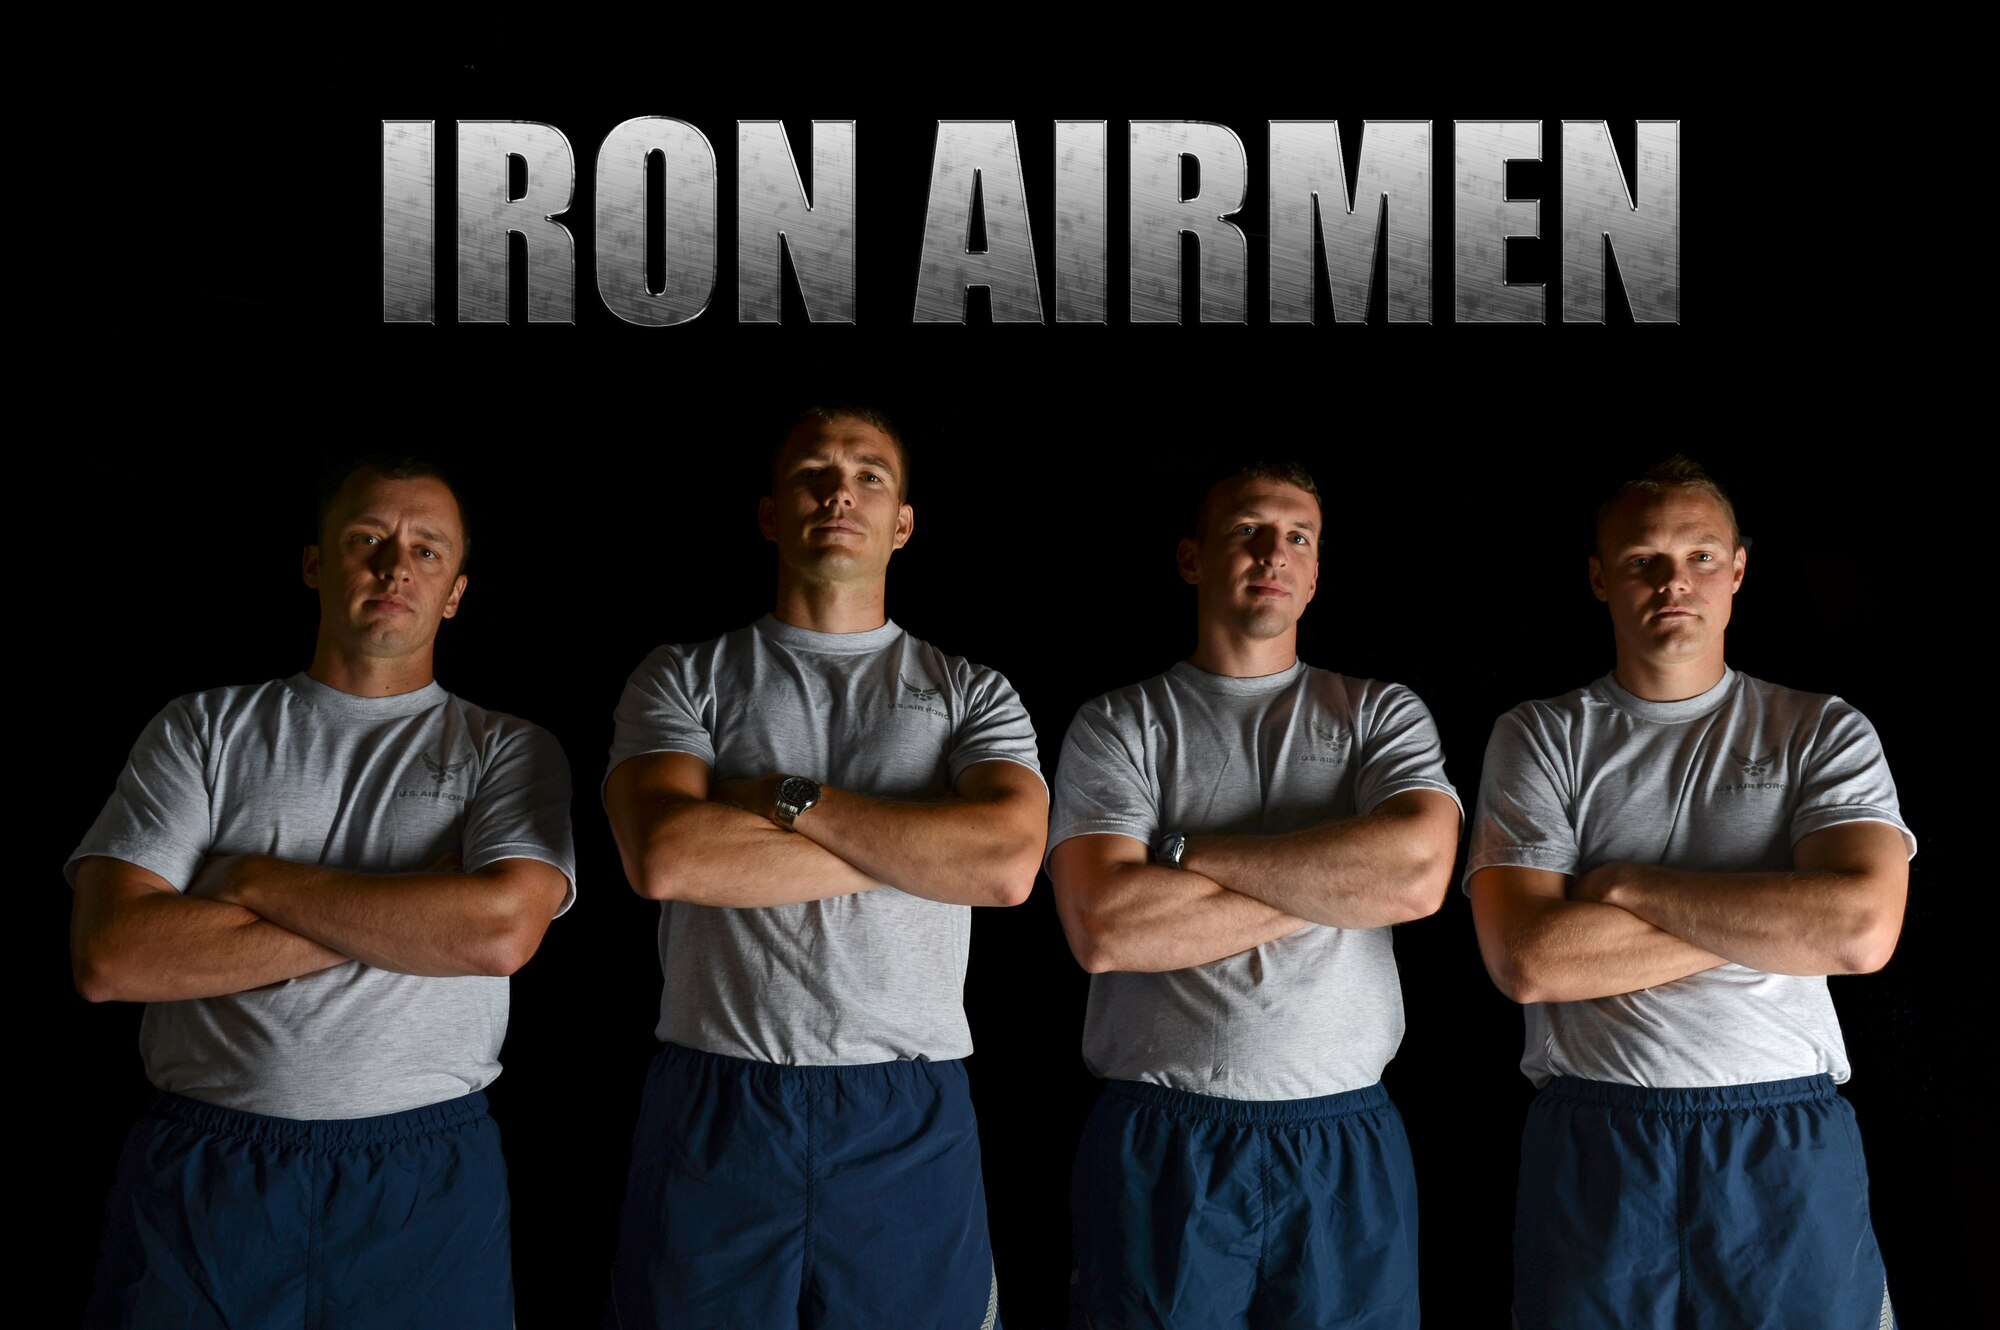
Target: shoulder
(1150, 697)
(1546, 722)
(495, 727)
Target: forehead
(421, 499)
(845, 437)
(1687, 516)
(1272, 500)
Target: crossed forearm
(443, 923)
(1146, 918)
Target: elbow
(1869, 947)
(1424, 888)
(96, 976)
(1517, 978)
(1090, 942)
(1012, 879)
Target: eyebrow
(370, 519)
(864, 459)
(1257, 514)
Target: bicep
(1504, 897)
(640, 790)
(1432, 812)
(999, 781)
(533, 882)
(1084, 866)
(103, 886)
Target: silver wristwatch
(795, 795)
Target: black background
(612, 474)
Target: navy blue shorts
(1203, 1213)
(219, 1218)
(1734, 1205)
(770, 1196)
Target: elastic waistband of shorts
(927, 1069)
(1691, 1099)
(1251, 1112)
(321, 1133)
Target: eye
(365, 539)
(424, 552)
(871, 477)
(1300, 538)
(1247, 529)
(1704, 557)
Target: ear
(1597, 579)
(451, 601)
(1742, 565)
(906, 522)
(1312, 587)
(310, 566)
(1187, 557)
(767, 517)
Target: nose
(391, 561)
(1669, 575)
(836, 492)
(1269, 546)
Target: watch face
(799, 792)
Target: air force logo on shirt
(1330, 743)
(1754, 769)
(919, 693)
(441, 775)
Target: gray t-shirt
(1725, 782)
(306, 773)
(871, 977)
(1315, 1012)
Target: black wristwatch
(795, 795)
(1170, 850)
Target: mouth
(837, 529)
(392, 604)
(1269, 590)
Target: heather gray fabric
(1313, 1013)
(306, 773)
(1724, 782)
(871, 977)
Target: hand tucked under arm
(1122, 913)
(133, 938)
(441, 923)
(1387, 866)
(1839, 909)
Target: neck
(370, 676)
(1222, 652)
(831, 607)
(1672, 681)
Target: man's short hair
(389, 466)
(1678, 472)
(867, 415)
(1284, 471)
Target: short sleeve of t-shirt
(660, 713)
(1846, 777)
(521, 808)
(1400, 750)
(1102, 786)
(994, 727)
(158, 817)
(1523, 815)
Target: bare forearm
(1552, 950)
(166, 947)
(961, 851)
(1386, 867)
(1148, 918)
(1793, 922)
(436, 923)
(718, 854)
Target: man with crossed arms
(1665, 867)
(1231, 841)
(318, 886)
(815, 800)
